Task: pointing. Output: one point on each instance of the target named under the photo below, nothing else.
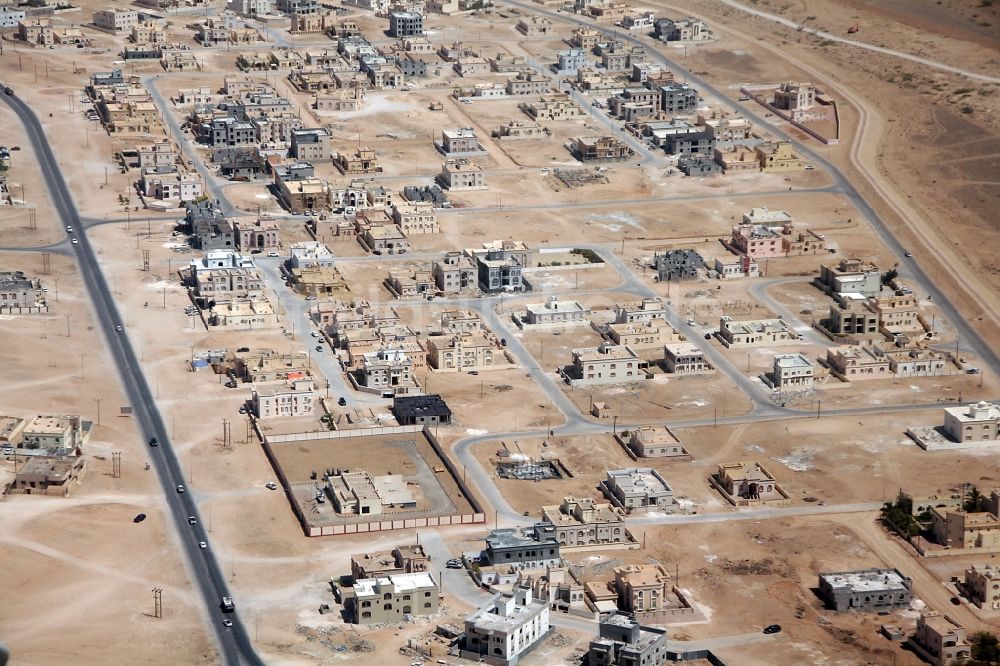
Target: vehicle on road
(227, 604)
(310, 297)
(227, 622)
(180, 489)
(8, 90)
(473, 372)
(192, 520)
(772, 628)
(272, 254)
(139, 518)
(74, 241)
(342, 401)
(271, 485)
(243, 409)
(118, 328)
(69, 230)
(202, 544)
(453, 564)
(315, 334)
(319, 348)
(153, 441)
(907, 254)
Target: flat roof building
(388, 599)
(755, 332)
(622, 641)
(421, 410)
(637, 489)
(582, 522)
(865, 590)
(528, 547)
(506, 628)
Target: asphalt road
(233, 642)
(908, 265)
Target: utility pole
(98, 400)
(157, 602)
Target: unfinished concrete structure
(622, 641)
(866, 590)
(507, 627)
(656, 442)
(981, 585)
(387, 599)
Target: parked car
(242, 350)
(342, 401)
(139, 518)
(319, 348)
(453, 564)
(230, 384)
(243, 409)
(772, 628)
(272, 253)
(271, 485)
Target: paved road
(301, 327)
(233, 643)
(910, 266)
(760, 291)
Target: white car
(202, 544)
(272, 254)
(69, 230)
(75, 241)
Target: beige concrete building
(292, 398)
(409, 558)
(461, 174)
(455, 273)
(415, 218)
(463, 352)
(656, 442)
(778, 157)
(116, 19)
(642, 588)
(584, 522)
(36, 31)
(48, 476)
(648, 334)
(982, 586)
(362, 160)
(963, 529)
(857, 362)
(976, 422)
(606, 364)
(793, 372)
(685, 358)
(646, 310)
(387, 599)
(554, 313)
(319, 281)
(554, 106)
(242, 314)
(899, 313)
(55, 432)
(940, 640)
(267, 365)
(747, 482)
(755, 333)
(301, 196)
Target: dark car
(956, 601)
(342, 401)
(153, 441)
(230, 384)
(139, 518)
(242, 350)
(772, 628)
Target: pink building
(757, 241)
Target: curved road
(233, 642)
